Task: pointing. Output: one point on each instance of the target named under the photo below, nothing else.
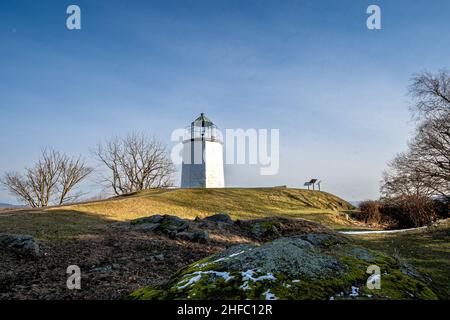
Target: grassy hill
(240, 203)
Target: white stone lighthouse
(202, 156)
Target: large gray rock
(151, 219)
(200, 236)
(265, 228)
(165, 223)
(292, 257)
(173, 223)
(219, 217)
(21, 244)
(314, 266)
(188, 236)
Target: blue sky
(336, 90)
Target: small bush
(410, 211)
(402, 212)
(442, 207)
(370, 211)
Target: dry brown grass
(239, 203)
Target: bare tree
(17, 185)
(73, 172)
(431, 94)
(135, 162)
(430, 153)
(402, 179)
(425, 169)
(52, 180)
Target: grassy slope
(240, 203)
(428, 251)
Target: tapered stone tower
(202, 156)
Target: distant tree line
(416, 186)
(129, 164)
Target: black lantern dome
(204, 129)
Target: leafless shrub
(410, 211)
(400, 212)
(442, 207)
(370, 211)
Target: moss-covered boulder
(165, 223)
(24, 245)
(265, 229)
(311, 266)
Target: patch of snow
(248, 276)
(295, 281)
(236, 254)
(218, 260)
(197, 275)
(355, 292)
(225, 275)
(245, 286)
(269, 295)
(201, 265)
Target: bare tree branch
(431, 94)
(425, 169)
(135, 162)
(50, 181)
(73, 171)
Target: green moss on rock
(313, 266)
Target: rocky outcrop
(173, 226)
(309, 266)
(199, 230)
(262, 229)
(219, 217)
(24, 245)
(165, 223)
